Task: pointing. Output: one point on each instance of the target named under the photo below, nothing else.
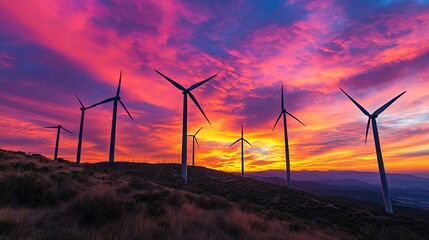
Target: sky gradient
(374, 50)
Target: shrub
(62, 160)
(153, 202)
(123, 189)
(245, 206)
(97, 211)
(44, 169)
(3, 167)
(61, 176)
(154, 209)
(24, 166)
(140, 184)
(158, 196)
(261, 226)
(80, 176)
(230, 228)
(175, 199)
(65, 189)
(7, 226)
(25, 190)
(212, 202)
(297, 227)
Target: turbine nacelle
(376, 113)
(116, 98)
(60, 127)
(187, 91)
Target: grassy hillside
(43, 199)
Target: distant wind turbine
(59, 127)
(194, 139)
(371, 118)
(186, 92)
(82, 116)
(115, 100)
(283, 113)
(242, 149)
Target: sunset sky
(51, 50)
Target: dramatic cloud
(374, 50)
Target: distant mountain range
(406, 189)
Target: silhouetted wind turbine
(283, 113)
(82, 116)
(194, 139)
(186, 92)
(372, 117)
(242, 149)
(115, 100)
(59, 127)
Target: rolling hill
(43, 199)
(406, 190)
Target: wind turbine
(242, 149)
(82, 116)
(115, 100)
(59, 127)
(371, 118)
(186, 92)
(194, 139)
(283, 113)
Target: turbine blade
(198, 105)
(201, 83)
(66, 130)
(357, 104)
(277, 120)
(172, 81)
(234, 142)
(283, 101)
(104, 101)
(123, 105)
(367, 128)
(198, 131)
(247, 142)
(119, 85)
(93, 105)
(52, 127)
(79, 101)
(242, 130)
(196, 140)
(295, 118)
(380, 110)
(189, 135)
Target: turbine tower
(371, 118)
(242, 149)
(194, 139)
(283, 113)
(59, 127)
(82, 116)
(115, 100)
(186, 92)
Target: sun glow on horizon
(372, 51)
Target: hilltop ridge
(40, 198)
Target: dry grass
(93, 202)
(71, 202)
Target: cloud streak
(51, 51)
